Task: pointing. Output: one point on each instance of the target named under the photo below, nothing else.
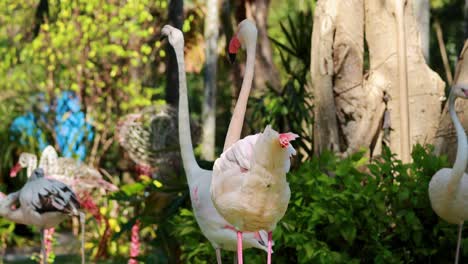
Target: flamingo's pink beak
(15, 170)
(285, 138)
(234, 46)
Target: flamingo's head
(273, 149)
(174, 35)
(25, 160)
(460, 90)
(245, 37)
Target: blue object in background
(71, 128)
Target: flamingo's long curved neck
(237, 120)
(462, 147)
(48, 160)
(185, 138)
(32, 165)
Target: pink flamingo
(249, 187)
(213, 226)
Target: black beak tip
(232, 57)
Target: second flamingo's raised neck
(462, 145)
(247, 36)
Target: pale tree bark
(265, 70)
(425, 86)
(422, 13)
(402, 81)
(360, 105)
(321, 70)
(209, 101)
(446, 139)
(353, 110)
(349, 109)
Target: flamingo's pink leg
(239, 247)
(270, 239)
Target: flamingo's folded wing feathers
(241, 152)
(55, 196)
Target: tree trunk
(422, 13)
(209, 102)
(425, 86)
(446, 139)
(353, 110)
(360, 105)
(321, 70)
(265, 70)
(176, 19)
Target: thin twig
(443, 51)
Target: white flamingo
(214, 227)
(79, 176)
(448, 188)
(249, 186)
(82, 178)
(44, 203)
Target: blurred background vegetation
(71, 70)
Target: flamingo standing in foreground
(249, 186)
(213, 226)
(44, 203)
(448, 188)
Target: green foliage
(342, 211)
(102, 51)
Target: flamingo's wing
(49, 195)
(239, 155)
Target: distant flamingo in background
(249, 186)
(448, 188)
(44, 203)
(215, 228)
(81, 177)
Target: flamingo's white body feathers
(451, 206)
(249, 186)
(213, 226)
